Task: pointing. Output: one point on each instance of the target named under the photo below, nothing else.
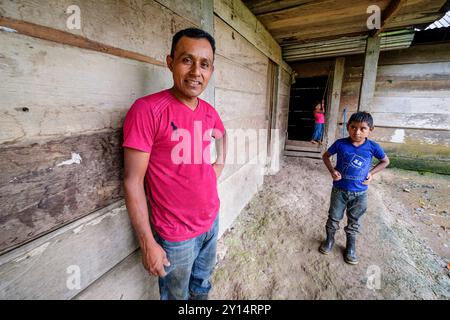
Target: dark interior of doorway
(304, 93)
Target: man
(167, 136)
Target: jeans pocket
(179, 253)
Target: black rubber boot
(350, 250)
(327, 245)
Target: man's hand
(336, 175)
(218, 169)
(154, 259)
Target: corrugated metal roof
(347, 45)
(443, 22)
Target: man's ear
(371, 129)
(169, 61)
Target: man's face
(191, 66)
(358, 131)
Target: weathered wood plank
(236, 104)
(321, 30)
(241, 133)
(48, 268)
(237, 190)
(314, 11)
(287, 68)
(415, 88)
(140, 26)
(411, 136)
(264, 6)
(389, 14)
(65, 90)
(313, 69)
(412, 104)
(241, 19)
(126, 281)
(416, 70)
(232, 76)
(369, 74)
(285, 78)
(66, 38)
(45, 186)
(233, 46)
(416, 121)
(188, 9)
(423, 53)
(335, 100)
(315, 155)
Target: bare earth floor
(271, 252)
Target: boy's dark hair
(192, 33)
(362, 116)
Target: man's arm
(153, 256)
(336, 175)
(221, 151)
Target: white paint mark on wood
(111, 214)
(76, 158)
(398, 136)
(2, 28)
(78, 230)
(35, 252)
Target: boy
(351, 177)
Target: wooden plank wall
(240, 99)
(61, 114)
(284, 89)
(411, 106)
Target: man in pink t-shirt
(167, 137)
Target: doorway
(305, 93)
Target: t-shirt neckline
(183, 104)
(350, 141)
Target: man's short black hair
(362, 116)
(192, 33)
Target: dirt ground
(271, 252)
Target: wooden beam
(388, 14)
(259, 7)
(62, 37)
(333, 112)
(369, 74)
(243, 21)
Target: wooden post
(369, 74)
(335, 99)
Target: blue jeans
(355, 203)
(318, 131)
(191, 265)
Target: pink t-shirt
(319, 117)
(180, 182)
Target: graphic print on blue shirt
(354, 167)
(354, 162)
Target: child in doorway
(351, 177)
(319, 117)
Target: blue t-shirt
(354, 162)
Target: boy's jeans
(191, 265)
(354, 202)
